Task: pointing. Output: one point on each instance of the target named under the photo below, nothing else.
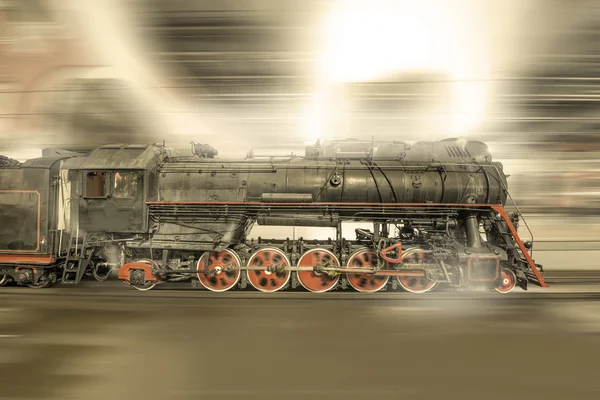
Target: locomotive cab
(112, 187)
(113, 201)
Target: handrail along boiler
(430, 213)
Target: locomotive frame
(158, 217)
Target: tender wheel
(315, 281)
(415, 284)
(508, 281)
(43, 282)
(366, 283)
(223, 267)
(269, 281)
(4, 279)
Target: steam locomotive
(428, 214)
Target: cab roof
(118, 156)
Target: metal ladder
(75, 264)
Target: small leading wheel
(137, 277)
(315, 281)
(507, 282)
(415, 284)
(269, 280)
(144, 286)
(366, 283)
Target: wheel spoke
(367, 283)
(314, 281)
(268, 281)
(415, 284)
(219, 279)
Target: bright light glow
(365, 40)
(313, 119)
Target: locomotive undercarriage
(36, 277)
(269, 268)
(453, 248)
(93, 255)
(416, 250)
(62, 269)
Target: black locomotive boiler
(430, 213)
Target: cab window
(125, 184)
(95, 184)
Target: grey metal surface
(28, 207)
(330, 181)
(316, 180)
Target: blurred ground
(111, 342)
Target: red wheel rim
(415, 284)
(508, 281)
(313, 281)
(366, 283)
(267, 281)
(222, 279)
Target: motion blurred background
(521, 75)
